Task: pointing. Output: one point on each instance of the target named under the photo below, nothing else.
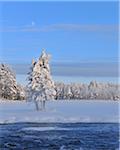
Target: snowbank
(60, 111)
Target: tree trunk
(40, 105)
(43, 105)
(37, 105)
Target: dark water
(59, 136)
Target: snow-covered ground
(60, 111)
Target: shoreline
(89, 100)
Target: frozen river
(59, 136)
(64, 125)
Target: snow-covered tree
(41, 85)
(9, 89)
(75, 90)
(67, 92)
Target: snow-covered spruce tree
(67, 92)
(41, 86)
(9, 89)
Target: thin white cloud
(60, 27)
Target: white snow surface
(60, 111)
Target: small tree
(9, 89)
(41, 85)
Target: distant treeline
(93, 90)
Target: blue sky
(70, 31)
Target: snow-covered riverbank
(60, 111)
